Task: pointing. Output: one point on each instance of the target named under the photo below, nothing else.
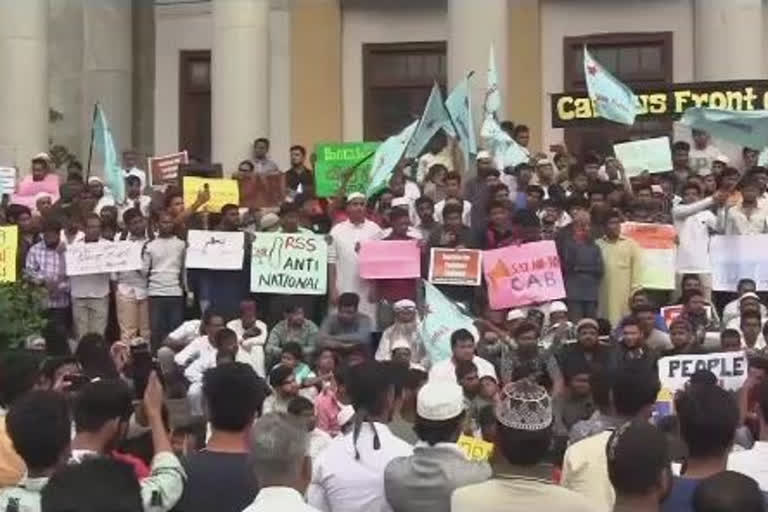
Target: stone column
(24, 82)
(240, 74)
(108, 69)
(144, 76)
(728, 42)
(472, 27)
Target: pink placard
(389, 259)
(519, 275)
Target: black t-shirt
(217, 481)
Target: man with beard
(406, 327)
(45, 267)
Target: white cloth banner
(216, 250)
(737, 257)
(730, 368)
(99, 257)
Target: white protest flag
(434, 118)
(613, 100)
(386, 158)
(459, 107)
(443, 317)
(492, 94)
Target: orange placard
(650, 236)
(164, 170)
(460, 267)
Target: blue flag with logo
(459, 107)
(745, 128)
(443, 317)
(386, 158)
(612, 99)
(104, 144)
(434, 119)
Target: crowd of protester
(168, 388)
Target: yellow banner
(9, 245)
(223, 191)
(475, 449)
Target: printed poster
(295, 263)
(658, 244)
(460, 267)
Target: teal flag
(506, 152)
(459, 107)
(492, 94)
(434, 119)
(443, 318)
(104, 144)
(386, 158)
(612, 99)
(745, 128)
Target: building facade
(210, 76)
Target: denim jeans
(165, 315)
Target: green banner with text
(335, 160)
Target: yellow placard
(9, 245)
(223, 191)
(475, 449)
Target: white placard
(730, 368)
(7, 180)
(216, 250)
(736, 257)
(99, 257)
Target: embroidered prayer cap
(524, 405)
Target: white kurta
(343, 252)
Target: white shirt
(735, 323)
(253, 345)
(341, 483)
(194, 350)
(318, 442)
(186, 332)
(135, 171)
(133, 283)
(693, 223)
(738, 223)
(207, 360)
(104, 200)
(701, 159)
(446, 369)
(753, 463)
(144, 202)
(732, 311)
(343, 253)
(280, 499)
(427, 160)
(465, 213)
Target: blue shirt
(681, 497)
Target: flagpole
(93, 134)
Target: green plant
(21, 313)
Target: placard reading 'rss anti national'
(294, 263)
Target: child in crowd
(284, 389)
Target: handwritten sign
(223, 191)
(736, 257)
(100, 257)
(658, 245)
(9, 244)
(461, 267)
(218, 250)
(730, 368)
(289, 263)
(475, 449)
(522, 275)
(334, 159)
(389, 259)
(261, 190)
(7, 180)
(652, 155)
(164, 170)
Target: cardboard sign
(295, 263)
(652, 155)
(261, 190)
(658, 245)
(217, 250)
(389, 259)
(7, 181)
(164, 170)
(571, 109)
(223, 191)
(730, 368)
(736, 257)
(101, 257)
(9, 245)
(333, 161)
(462, 267)
(670, 313)
(522, 275)
(475, 449)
